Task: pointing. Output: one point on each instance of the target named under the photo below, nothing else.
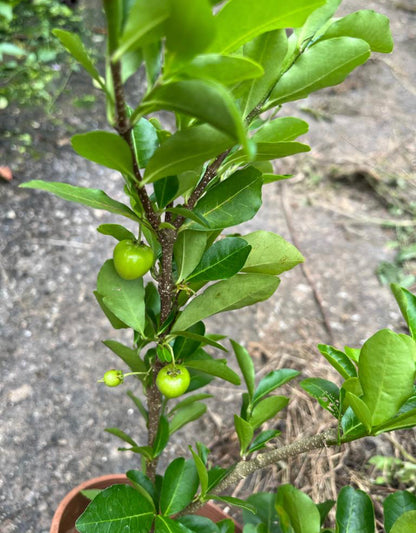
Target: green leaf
(122, 297)
(322, 65)
(144, 140)
(266, 516)
(225, 69)
(165, 190)
(105, 148)
(269, 151)
(338, 360)
(94, 198)
(202, 473)
(403, 421)
(188, 250)
(281, 130)
(396, 505)
(267, 409)
(116, 230)
(189, 400)
(239, 291)
(139, 404)
(114, 321)
(162, 436)
(246, 365)
(405, 523)
(186, 150)
(152, 55)
(386, 372)
(273, 380)
(361, 409)
(270, 253)
(245, 433)
(185, 346)
(240, 21)
(73, 43)
(204, 100)
(163, 524)
(143, 484)
(121, 435)
(355, 512)
(407, 304)
(296, 511)
(126, 354)
(215, 367)
(372, 27)
(144, 25)
(221, 261)
(237, 502)
(314, 23)
(186, 414)
(262, 438)
(232, 201)
(179, 485)
(326, 392)
(200, 339)
(351, 426)
(188, 213)
(324, 509)
(198, 524)
(190, 28)
(116, 508)
(269, 50)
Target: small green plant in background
(224, 74)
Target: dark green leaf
(162, 436)
(185, 415)
(143, 484)
(355, 512)
(145, 141)
(245, 433)
(360, 408)
(270, 253)
(262, 438)
(186, 346)
(265, 513)
(296, 511)
(215, 367)
(239, 291)
(121, 435)
(338, 360)
(105, 148)
(200, 339)
(126, 354)
(202, 473)
(187, 213)
(198, 524)
(116, 230)
(326, 392)
(163, 524)
(180, 483)
(246, 365)
(186, 150)
(324, 509)
(189, 400)
(116, 508)
(226, 69)
(188, 250)
(165, 190)
(273, 380)
(222, 260)
(397, 504)
(351, 426)
(267, 409)
(91, 197)
(237, 502)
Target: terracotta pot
(74, 504)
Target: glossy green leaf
(202, 472)
(114, 321)
(239, 291)
(185, 415)
(165, 190)
(361, 409)
(189, 400)
(232, 201)
(107, 149)
(267, 409)
(198, 524)
(268, 151)
(94, 198)
(186, 150)
(326, 392)
(200, 339)
(338, 360)
(144, 140)
(204, 100)
(395, 505)
(122, 297)
(128, 355)
(215, 367)
(144, 25)
(355, 512)
(116, 230)
(281, 130)
(190, 28)
(297, 512)
(226, 69)
(372, 27)
(185, 346)
(143, 484)
(405, 524)
(121, 435)
(403, 421)
(179, 486)
(245, 433)
(322, 65)
(74, 45)
(351, 426)
(237, 502)
(188, 214)
(386, 372)
(162, 436)
(269, 50)
(163, 524)
(245, 362)
(240, 21)
(324, 509)
(407, 304)
(270, 253)
(188, 250)
(266, 516)
(116, 508)
(152, 55)
(316, 20)
(272, 381)
(222, 260)
(262, 438)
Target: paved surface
(52, 410)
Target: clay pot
(74, 504)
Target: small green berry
(113, 378)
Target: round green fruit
(132, 259)
(173, 380)
(113, 378)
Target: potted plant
(224, 72)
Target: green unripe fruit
(132, 259)
(173, 380)
(113, 378)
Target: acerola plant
(224, 72)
